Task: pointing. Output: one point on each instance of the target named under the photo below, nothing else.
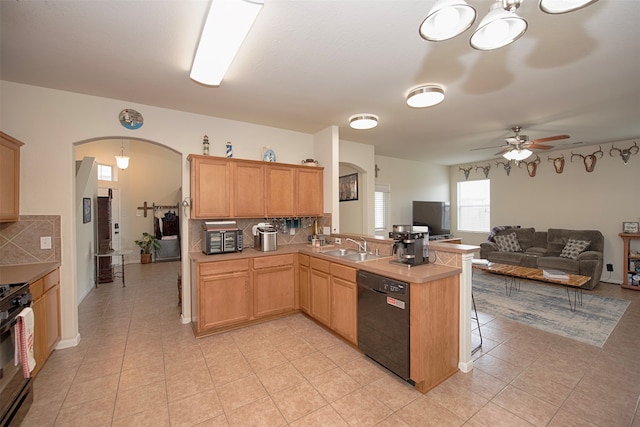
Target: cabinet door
(9, 178)
(310, 194)
(273, 287)
(248, 190)
(52, 305)
(224, 299)
(303, 282)
(280, 191)
(320, 291)
(344, 302)
(40, 328)
(210, 187)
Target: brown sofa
(542, 249)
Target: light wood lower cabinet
(344, 302)
(273, 285)
(46, 310)
(304, 272)
(320, 291)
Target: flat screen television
(435, 215)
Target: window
(474, 206)
(105, 172)
(382, 196)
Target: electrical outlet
(337, 241)
(45, 242)
(609, 267)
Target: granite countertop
(26, 273)
(416, 274)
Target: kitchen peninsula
(237, 289)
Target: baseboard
(465, 366)
(184, 320)
(68, 343)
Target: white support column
(465, 363)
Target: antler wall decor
(558, 163)
(485, 170)
(466, 171)
(532, 166)
(590, 159)
(506, 165)
(626, 152)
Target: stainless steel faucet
(361, 247)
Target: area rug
(546, 307)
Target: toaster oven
(221, 241)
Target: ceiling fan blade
(504, 150)
(485, 148)
(539, 146)
(550, 138)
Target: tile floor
(137, 365)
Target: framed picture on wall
(349, 187)
(630, 227)
(86, 210)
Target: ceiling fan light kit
(447, 19)
(227, 25)
(563, 6)
(363, 121)
(498, 28)
(517, 154)
(425, 96)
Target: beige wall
(575, 199)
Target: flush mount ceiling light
(447, 19)
(122, 161)
(425, 96)
(563, 6)
(227, 25)
(363, 121)
(500, 27)
(517, 154)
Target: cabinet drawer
(343, 272)
(209, 268)
(51, 279)
(303, 259)
(273, 261)
(320, 264)
(37, 288)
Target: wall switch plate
(292, 231)
(45, 242)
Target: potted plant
(147, 243)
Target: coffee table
(513, 273)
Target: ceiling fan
(521, 142)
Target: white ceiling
(310, 64)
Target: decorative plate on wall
(130, 119)
(269, 155)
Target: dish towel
(24, 336)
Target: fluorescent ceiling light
(363, 121)
(517, 154)
(563, 6)
(499, 28)
(122, 161)
(447, 19)
(425, 96)
(228, 23)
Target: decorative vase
(145, 258)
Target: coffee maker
(411, 245)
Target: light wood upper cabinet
(210, 187)
(9, 178)
(310, 191)
(281, 190)
(235, 188)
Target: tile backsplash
(20, 241)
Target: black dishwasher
(383, 321)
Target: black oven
(16, 391)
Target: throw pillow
(573, 248)
(508, 243)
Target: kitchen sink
(352, 255)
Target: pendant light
(563, 6)
(447, 19)
(122, 161)
(499, 28)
